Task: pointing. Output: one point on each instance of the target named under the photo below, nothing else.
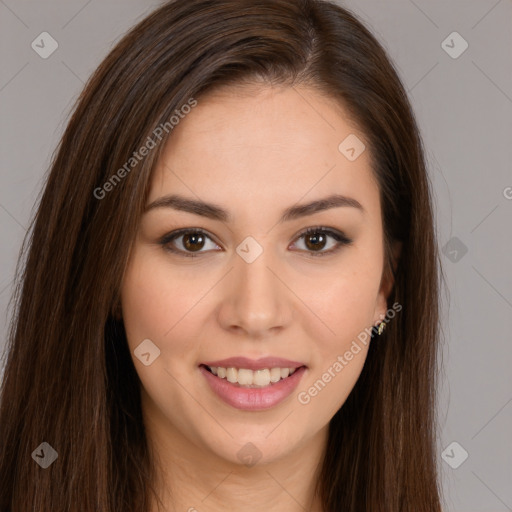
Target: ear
(386, 284)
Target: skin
(254, 152)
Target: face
(268, 257)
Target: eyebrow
(215, 212)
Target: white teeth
(232, 375)
(275, 374)
(261, 377)
(249, 378)
(245, 377)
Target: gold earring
(382, 326)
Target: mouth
(244, 377)
(253, 385)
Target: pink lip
(252, 399)
(254, 364)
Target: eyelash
(338, 236)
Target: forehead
(248, 143)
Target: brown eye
(193, 242)
(315, 241)
(186, 242)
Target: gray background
(464, 108)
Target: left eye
(315, 240)
(193, 241)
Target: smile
(251, 378)
(253, 389)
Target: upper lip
(254, 364)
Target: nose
(256, 302)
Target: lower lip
(253, 399)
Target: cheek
(157, 304)
(344, 307)
(340, 352)
(343, 304)
(147, 301)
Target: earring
(382, 326)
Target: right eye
(188, 240)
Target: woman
(238, 207)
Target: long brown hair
(69, 378)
